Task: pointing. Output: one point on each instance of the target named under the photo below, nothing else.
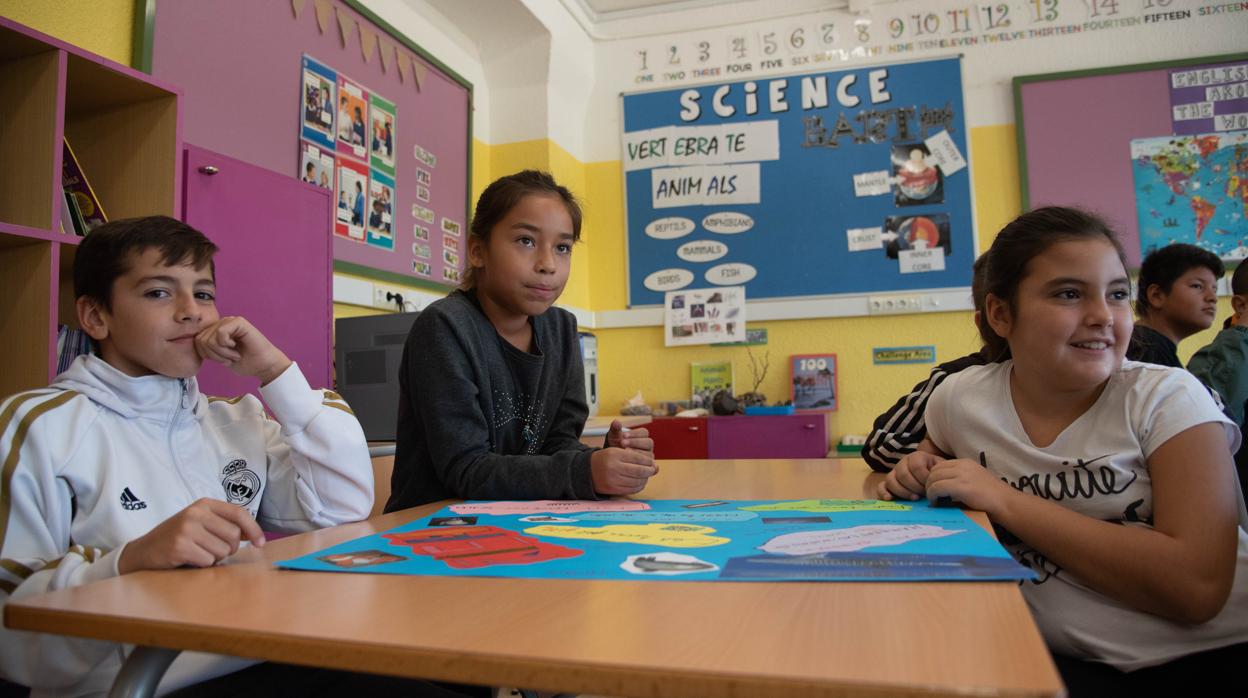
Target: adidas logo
(129, 502)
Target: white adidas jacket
(100, 458)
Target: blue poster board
(753, 183)
(703, 540)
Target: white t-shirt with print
(1097, 467)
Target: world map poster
(1193, 189)
(682, 539)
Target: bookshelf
(123, 126)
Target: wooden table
(719, 639)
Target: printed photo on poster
(319, 87)
(450, 243)
(317, 166)
(919, 181)
(381, 126)
(420, 249)
(422, 269)
(380, 211)
(352, 110)
(450, 274)
(916, 233)
(813, 381)
(423, 177)
(420, 232)
(704, 316)
(422, 193)
(450, 226)
(450, 258)
(352, 199)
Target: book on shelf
(74, 180)
(67, 215)
(70, 207)
(70, 344)
(708, 378)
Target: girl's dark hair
(1020, 241)
(503, 195)
(108, 251)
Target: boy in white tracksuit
(122, 465)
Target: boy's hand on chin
(235, 342)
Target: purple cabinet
(782, 436)
(274, 267)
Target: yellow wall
(101, 26)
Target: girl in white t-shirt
(1112, 479)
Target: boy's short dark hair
(1239, 280)
(106, 252)
(1165, 265)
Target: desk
(639, 639)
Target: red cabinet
(678, 438)
(780, 436)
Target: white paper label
(1195, 110)
(864, 239)
(916, 261)
(945, 153)
(1210, 76)
(676, 146)
(872, 183)
(1224, 93)
(707, 185)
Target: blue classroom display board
(852, 181)
(702, 540)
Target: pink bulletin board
(239, 63)
(1075, 131)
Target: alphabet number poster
(703, 540)
(852, 181)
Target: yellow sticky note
(827, 506)
(667, 535)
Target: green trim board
(463, 82)
(1020, 80)
(1080, 125)
(263, 42)
(144, 32)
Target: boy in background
(1176, 298)
(1223, 364)
(122, 465)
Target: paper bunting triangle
(368, 41)
(387, 55)
(345, 23)
(418, 73)
(322, 8)
(297, 7)
(402, 63)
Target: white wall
(988, 67)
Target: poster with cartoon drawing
(704, 540)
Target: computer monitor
(367, 353)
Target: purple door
(274, 267)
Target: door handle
(209, 169)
